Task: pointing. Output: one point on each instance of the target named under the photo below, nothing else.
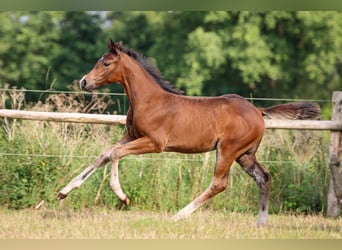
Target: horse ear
(118, 45)
(111, 45)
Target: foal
(161, 119)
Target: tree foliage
(262, 54)
(26, 43)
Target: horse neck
(139, 86)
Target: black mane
(147, 64)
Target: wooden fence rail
(334, 125)
(63, 117)
(121, 119)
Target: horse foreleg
(82, 177)
(139, 146)
(115, 183)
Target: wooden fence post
(335, 188)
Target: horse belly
(202, 135)
(194, 137)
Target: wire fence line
(139, 158)
(123, 94)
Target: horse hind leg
(262, 178)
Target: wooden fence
(334, 125)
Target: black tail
(293, 111)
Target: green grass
(203, 224)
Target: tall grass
(39, 158)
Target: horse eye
(106, 64)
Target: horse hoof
(61, 196)
(178, 217)
(175, 218)
(126, 201)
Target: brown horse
(161, 119)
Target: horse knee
(218, 186)
(114, 155)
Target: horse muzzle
(87, 85)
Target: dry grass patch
(110, 224)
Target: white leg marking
(262, 218)
(114, 181)
(78, 181)
(82, 177)
(185, 212)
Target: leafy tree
(27, 38)
(262, 54)
(42, 50)
(78, 46)
(159, 35)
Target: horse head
(105, 70)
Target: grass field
(113, 224)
